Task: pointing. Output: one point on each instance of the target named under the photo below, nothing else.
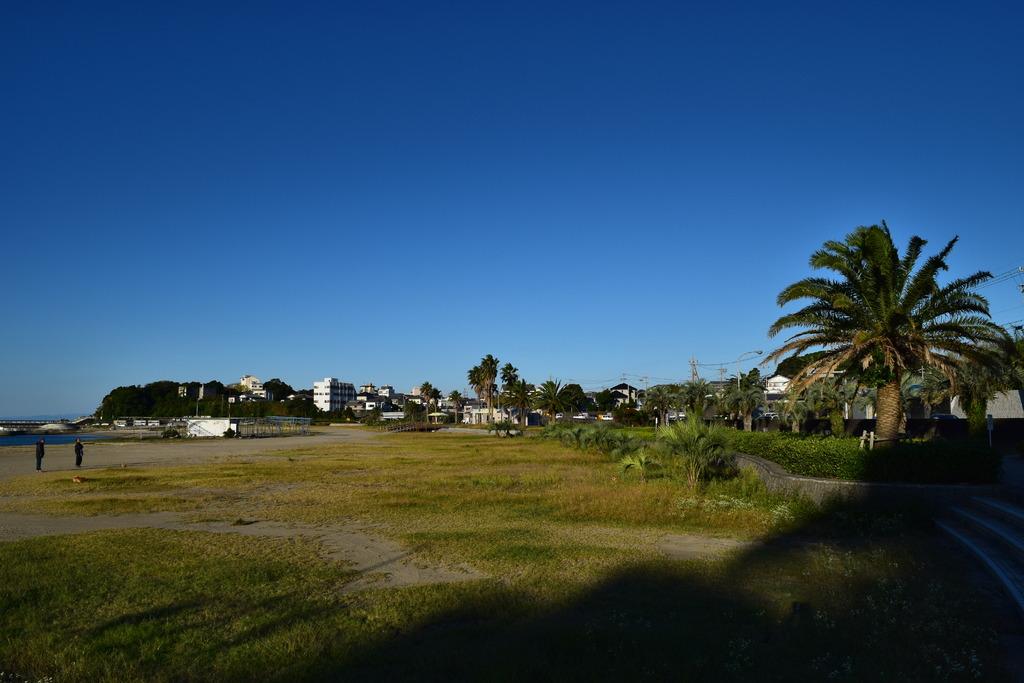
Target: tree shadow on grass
(862, 591)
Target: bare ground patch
(380, 561)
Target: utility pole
(693, 369)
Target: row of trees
(161, 399)
(500, 385)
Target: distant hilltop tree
(162, 399)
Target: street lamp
(742, 358)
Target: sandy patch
(692, 547)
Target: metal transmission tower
(694, 376)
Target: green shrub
(171, 433)
(698, 450)
(642, 462)
(602, 438)
(503, 428)
(934, 462)
(812, 456)
(229, 433)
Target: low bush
(698, 450)
(229, 433)
(504, 428)
(811, 456)
(171, 433)
(933, 462)
(641, 462)
(611, 441)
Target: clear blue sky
(388, 191)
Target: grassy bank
(576, 582)
(930, 462)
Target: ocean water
(51, 439)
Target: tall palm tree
(795, 410)
(744, 400)
(426, 392)
(434, 396)
(884, 315)
(550, 398)
(519, 395)
(488, 375)
(509, 374)
(660, 398)
(457, 400)
(697, 394)
(829, 397)
(476, 382)
(976, 386)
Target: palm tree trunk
(890, 407)
(748, 422)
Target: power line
(1003, 277)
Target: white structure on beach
(331, 394)
(209, 427)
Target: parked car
(943, 416)
(607, 417)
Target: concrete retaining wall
(779, 480)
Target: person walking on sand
(40, 452)
(79, 449)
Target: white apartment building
(776, 384)
(251, 382)
(255, 387)
(331, 394)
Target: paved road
(19, 460)
(1013, 470)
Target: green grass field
(574, 584)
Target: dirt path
(379, 561)
(19, 460)
(691, 547)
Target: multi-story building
(331, 394)
(251, 382)
(255, 387)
